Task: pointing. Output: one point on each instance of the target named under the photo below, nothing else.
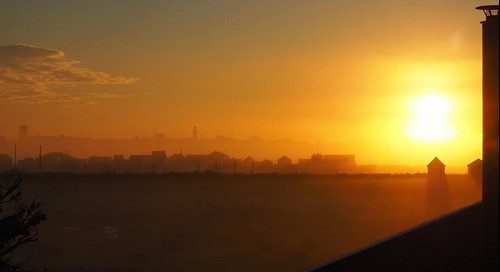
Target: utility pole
(40, 159)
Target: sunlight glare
(431, 121)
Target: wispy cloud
(28, 74)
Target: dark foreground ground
(208, 222)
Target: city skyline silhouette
(248, 135)
(299, 71)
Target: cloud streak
(28, 74)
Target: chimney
(490, 137)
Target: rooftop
(452, 242)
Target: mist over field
(217, 222)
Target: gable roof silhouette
(249, 160)
(217, 155)
(476, 162)
(266, 161)
(284, 159)
(58, 156)
(176, 157)
(435, 162)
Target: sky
(350, 73)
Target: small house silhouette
(475, 169)
(284, 161)
(436, 167)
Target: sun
(430, 122)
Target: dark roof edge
(393, 236)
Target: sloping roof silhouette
(284, 159)
(216, 155)
(476, 162)
(452, 242)
(249, 160)
(57, 156)
(436, 162)
(176, 157)
(266, 161)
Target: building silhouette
(475, 170)
(5, 162)
(23, 132)
(61, 162)
(147, 163)
(284, 161)
(436, 168)
(264, 166)
(119, 164)
(99, 164)
(284, 165)
(27, 165)
(328, 164)
(159, 162)
(438, 194)
(177, 163)
(195, 133)
(248, 165)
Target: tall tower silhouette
(23, 132)
(195, 133)
(490, 137)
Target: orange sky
(345, 72)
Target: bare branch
(18, 227)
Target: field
(211, 222)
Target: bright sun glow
(431, 120)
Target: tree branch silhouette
(18, 222)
